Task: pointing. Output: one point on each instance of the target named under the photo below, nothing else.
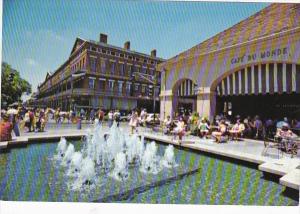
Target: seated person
(5, 129)
(180, 128)
(237, 130)
(220, 135)
(167, 125)
(286, 136)
(258, 127)
(203, 128)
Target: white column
(228, 85)
(181, 90)
(223, 87)
(259, 79)
(267, 79)
(252, 80)
(275, 78)
(293, 77)
(284, 77)
(240, 82)
(246, 80)
(233, 83)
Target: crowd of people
(30, 119)
(221, 128)
(35, 119)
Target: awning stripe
(258, 79)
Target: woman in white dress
(180, 128)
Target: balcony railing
(97, 92)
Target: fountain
(120, 171)
(134, 149)
(68, 154)
(62, 147)
(168, 159)
(75, 164)
(114, 154)
(87, 171)
(150, 161)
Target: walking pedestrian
(110, 118)
(117, 117)
(101, 116)
(133, 121)
(5, 128)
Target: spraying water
(168, 159)
(150, 161)
(87, 172)
(62, 147)
(134, 149)
(113, 153)
(76, 162)
(68, 154)
(120, 171)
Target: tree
(12, 85)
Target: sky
(38, 35)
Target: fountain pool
(76, 171)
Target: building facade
(100, 75)
(252, 68)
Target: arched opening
(270, 90)
(184, 97)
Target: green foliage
(12, 85)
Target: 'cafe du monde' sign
(262, 55)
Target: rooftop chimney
(103, 38)
(127, 45)
(153, 53)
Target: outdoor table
(234, 134)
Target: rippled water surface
(30, 174)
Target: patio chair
(275, 143)
(293, 147)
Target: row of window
(121, 55)
(119, 85)
(114, 67)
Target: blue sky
(38, 35)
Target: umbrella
(14, 104)
(12, 111)
(282, 123)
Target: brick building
(100, 75)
